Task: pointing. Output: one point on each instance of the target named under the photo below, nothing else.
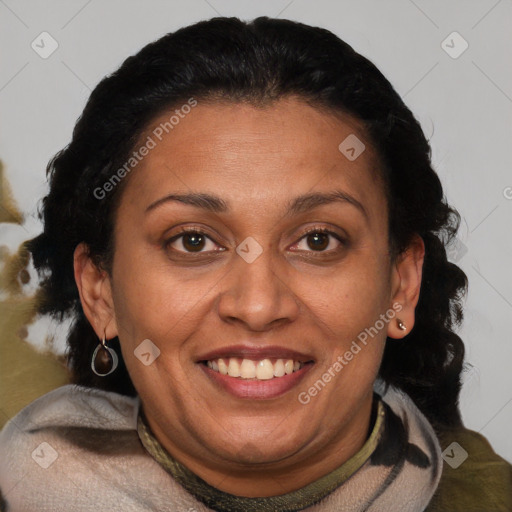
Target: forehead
(243, 152)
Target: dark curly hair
(257, 62)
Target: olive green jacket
(482, 482)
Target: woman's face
(251, 286)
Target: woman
(248, 232)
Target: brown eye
(191, 241)
(318, 241)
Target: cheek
(349, 299)
(158, 302)
(152, 304)
(347, 307)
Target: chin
(262, 448)
(260, 453)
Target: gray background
(464, 105)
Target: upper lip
(256, 353)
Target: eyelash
(193, 230)
(325, 231)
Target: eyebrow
(300, 204)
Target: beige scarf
(88, 450)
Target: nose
(257, 295)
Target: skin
(293, 295)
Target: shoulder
(71, 410)
(67, 413)
(67, 438)
(72, 405)
(474, 477)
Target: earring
(104, 359)
(401, 325)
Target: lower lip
(257, 389)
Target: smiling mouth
(250, 369)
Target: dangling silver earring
(104, 359)
(401, 325)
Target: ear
(406, 277)
(95, 293)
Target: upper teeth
(264, 369)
